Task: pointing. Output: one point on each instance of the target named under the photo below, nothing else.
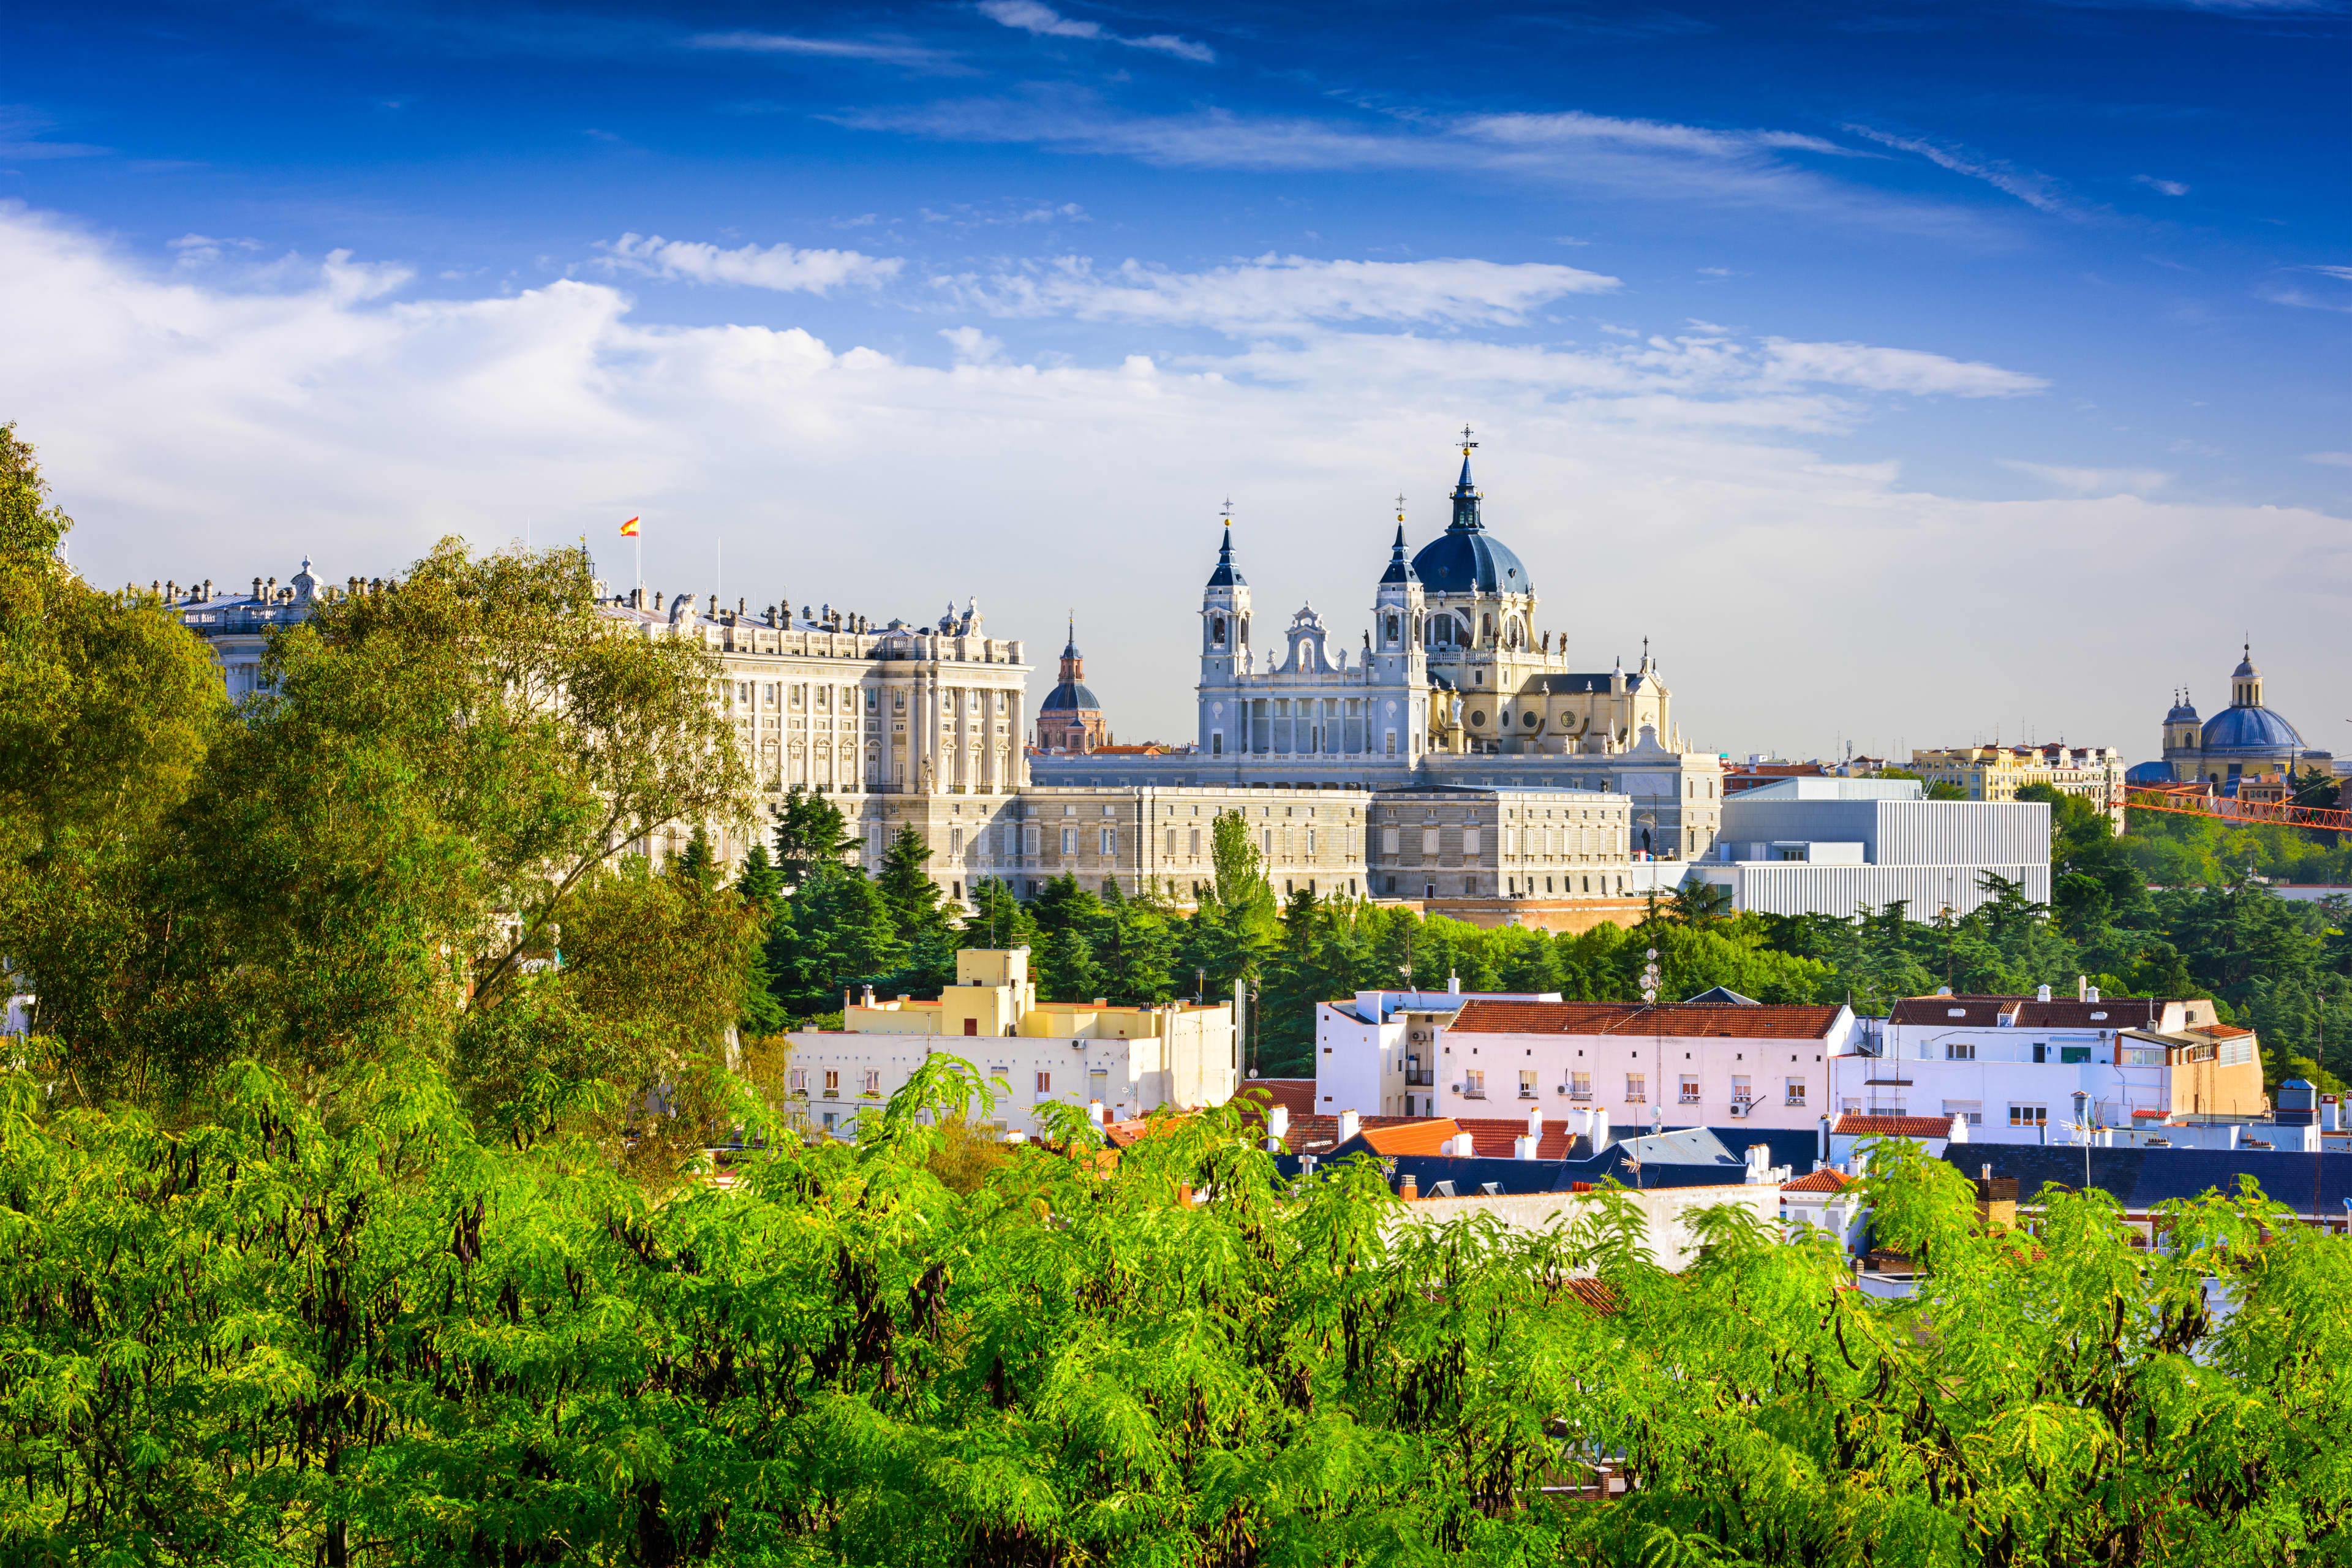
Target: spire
(1074, 664)
(1224, 576)
(1070, 648)
(1465, 494)
(1400, 569)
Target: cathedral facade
(1455, 682)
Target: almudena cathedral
(1458, 761)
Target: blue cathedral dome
(1070, 696)
(2250, 729)
(1466, 558)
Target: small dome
(2183, 710)
(2250, 729)
(1069, 697)
(2245, 665)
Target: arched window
(1217, 630)
(1486, 629)
(1393, 628)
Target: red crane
(2198, 799)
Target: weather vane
(1228, 513)
(1466, 442)
(1400, 506)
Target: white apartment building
(1129, 1060)
(1673, 1064)
(2010, 1067)
(1376, 1052)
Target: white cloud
(1030, 17)
(2342, 274)
(2162, 187)
(2332, 459)
(1275, 290)
(778, 267)
(2093, 481)
(1897, 370)
(198, 429)
(882, 51)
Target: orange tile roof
(1409, 1137)
(1768, 1022)
(1295, 1095)
(1320, 1134)
(1597, 1296)
(1497, 1137)
(1854, 1126)
(2218, 1031)
(1825, 1180)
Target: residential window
(796, 1079)
(1741, 1093)
(873, 1084)
(833, 1080)
(1690, 1089)
(1795, 1095)
(1526, 1084)
(1960, 1050)
(1968, 1111)
(1109, 842)
(1474, 1084)
(2028, 1116)
(1045, 1081)
(1069, 841)
(1580, 1086)
(1637, 1088)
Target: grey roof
(1722, 994)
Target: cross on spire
(1400, 506)
(1228, 512)
(1466, 442)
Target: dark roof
(1985, 1011)
(2149, 774)
(1224, 576)
(2142, 1178)
(1760, 1021)
(1720, 996)
(1295, 1094)
(2250, 729)
(1070, 696)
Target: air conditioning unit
(1740, 1107)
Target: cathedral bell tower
(1225, 650)
(1397, 615)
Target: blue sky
(1907, 372)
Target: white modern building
(2011, 1068)
(1128, 1060)
(1827, 845)
(1671, 1064)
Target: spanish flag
(629, 529)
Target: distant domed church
(2245, 738)
(1070, 720)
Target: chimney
(1349, 1125)
(1535, 1120)
(1095, 1112)
(2081, 988)
(1461, 1146)
(1409, 1189)
(1277, 1122)
(2042, 994)
(1525, 1148)
(1759, 1163)
(2092, 994)
(1453, 985)
(869, 995)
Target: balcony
(1529, 1093)
(1469, 1093)
(1420, 1077)
(1689, 1097)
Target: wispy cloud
(778, 267)
(1642, 159)
(1911, 371)
(2332, 459)
(1276, 290)
(21, 129)
(2038, 191)
(2162, 187)
(2282, 292)
(1030, 17)
(889, 51)
(2093, 481)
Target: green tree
(1067, 970)
(925, 929)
